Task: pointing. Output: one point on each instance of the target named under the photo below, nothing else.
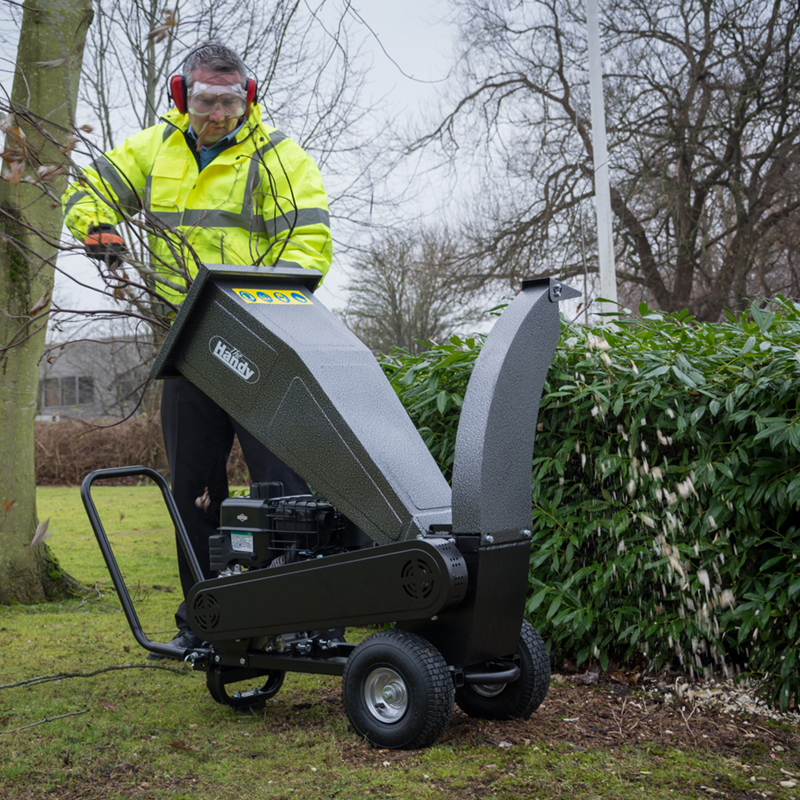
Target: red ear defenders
(177, 91)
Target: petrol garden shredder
(384, 540)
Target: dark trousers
(198, 436)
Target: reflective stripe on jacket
(259, 201)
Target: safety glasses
(204, 98)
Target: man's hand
(104, 244)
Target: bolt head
(242, 661)
(389, 694)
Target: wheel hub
(386, 695)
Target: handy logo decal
(233, 359)
(274, 297)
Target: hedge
(665, 488)
(68, 450)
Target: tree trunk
(44, 96)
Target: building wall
(92, 379)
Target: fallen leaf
(49, 171)
(108, 706)
(200, 139)
(71, 143)
(57, 62)
(121, 515)
(40, 304)
(587, 678)
(7, 504)
(160, 32)
(42, 534)
(203, 502)
(14, 174)
(177, 744)
(18, 135)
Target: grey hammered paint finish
(303, 384)
(494, 445)
(260, 345)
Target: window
(50, 392)
(70, 391)
(85, 391)
(69, 397)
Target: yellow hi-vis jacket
(258, 202)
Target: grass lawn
(138, 729)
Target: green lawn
(154, 731)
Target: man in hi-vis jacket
(218, 186)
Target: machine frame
(449, 567)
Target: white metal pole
(602, 193)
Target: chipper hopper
(383, 541)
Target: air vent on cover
(417, 578)
(206, 611)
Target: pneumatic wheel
(398, 690)
(516, 700)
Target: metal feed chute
(380, 540)
(260, 345)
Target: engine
(268, 529)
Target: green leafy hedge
(666, 488)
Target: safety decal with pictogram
(274, 297)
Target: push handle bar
(108, 553)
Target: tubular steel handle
(108, 553)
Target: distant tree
(703, 114)
(410, 287)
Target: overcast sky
(416, 35)
(411, 45)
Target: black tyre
(254, 700)
(398, 691)
(517, 700)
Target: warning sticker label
(241, 541)
(274, 297)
